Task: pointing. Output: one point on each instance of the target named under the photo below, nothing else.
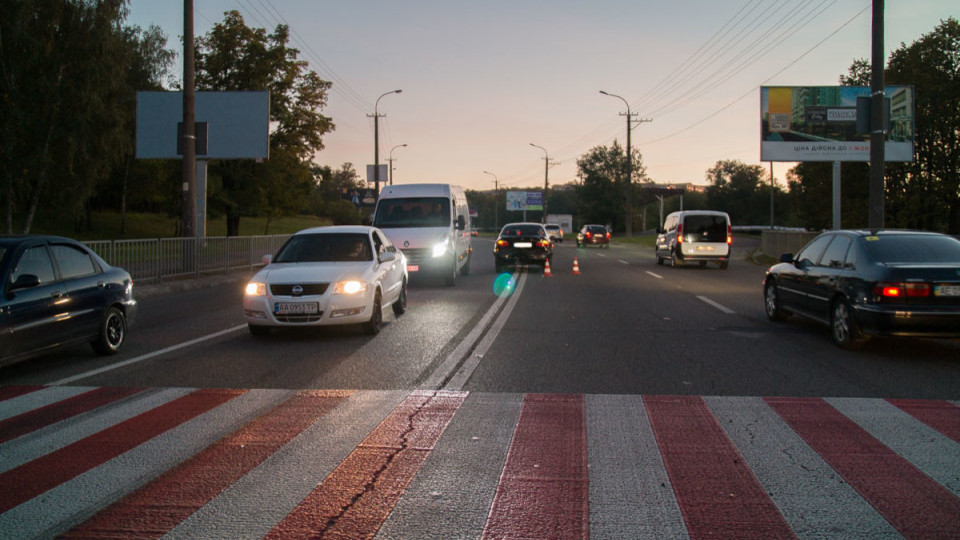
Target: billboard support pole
(836, 196)
(877, 127)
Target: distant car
(554, 232)
(593, 235)
(57, 291)
(522, 243)
(328, 276)
(860, 283)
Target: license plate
(946, 290)
(295, 308)
(704, 248)
(413, 268)
(523, 245)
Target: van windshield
(705, 228)
(413, 212)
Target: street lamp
(376, 142)
(546, 182)
(496, 201)
(629, 115)
(390, 159)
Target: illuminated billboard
(524, 200)
(819, 123)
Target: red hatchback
(593, 235)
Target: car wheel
(375, 323)
(843, 327)
(400, 305)
(112, 333)
(257, 330)
(771, 302)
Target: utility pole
(189, 128)
(496, 202)
(546, 178)
(376, 143)
(629, 180)
(875, 218)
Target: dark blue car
(863, 283)
(56, 291)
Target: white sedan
(325, 276)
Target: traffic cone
(576, 267)
(546, 269)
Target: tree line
(70, 70)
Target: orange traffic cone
(546, 269)
(576, 267)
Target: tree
(233, 56)
(738, 189)
(926, 193)
(602, 171)
(62, 65)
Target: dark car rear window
(522, 230)
(705, 228)
(597, 229)
(912, 248)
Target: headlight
(351, 286)
(440, 249)
(256, 289)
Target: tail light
(901, 290)
(502, 242)
(608, 235)
(588, 234)
(680, 233)
(543, 243)
(729, 235)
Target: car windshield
(326, 247)
(912, 248)
(522, 230)
(413, 212)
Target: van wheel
(659, 259)
(675, 260)
(465, 270)
(450, 279)
(724, 265)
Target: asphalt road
(630, 400)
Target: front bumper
(331, 310)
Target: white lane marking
(147, 356)
(466, 370)
(450, 363)
(658, 276)
(623, 261)
(721, 307)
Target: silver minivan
(699, 236)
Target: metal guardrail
(777, 242)
(152, 260)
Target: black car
(56, 291)
(862, 283)
(522, 243)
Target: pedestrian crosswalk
(99, 462)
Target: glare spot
(504, 284)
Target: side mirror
(461, 222)
(266, 259)
(26, 281)
(786, 258)
(388, 256)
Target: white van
(430, 223)
(699, 236)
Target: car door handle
(101, 284)
(56, 294)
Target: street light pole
(390, 159)
(376, 143)
(546, 178)
(496, 201)
(629, 182)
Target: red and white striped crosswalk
(94, 462)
